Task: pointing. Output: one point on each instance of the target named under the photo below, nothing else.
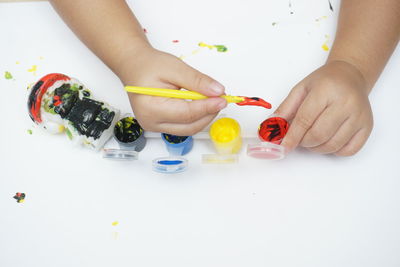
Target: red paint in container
(271, 132)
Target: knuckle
(316, 136)
(332, 146)
(304, 122)
(190, 115)
(199, 82)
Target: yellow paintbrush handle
(183, 94)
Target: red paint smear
(48, 81)
(273, 130)
(175, 41)
(254, 101)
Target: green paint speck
(274, 23)
(221, 48)
(8, 75)
(69, 134)
(29, 131)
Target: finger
(355, 144)
(343, 135)
(324, 128)
(288, 108)
(189, 78)
(186, 129)
(181, 111)
(308, 112)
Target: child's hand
(152, 68)
(330, 111)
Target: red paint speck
(175, 41)
(144, 30)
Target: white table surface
(306, 210)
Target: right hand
(153, 68)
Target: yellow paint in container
(226, 136)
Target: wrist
(354, 70)
(132, 59)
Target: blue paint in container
(177, 145)
(170, 164)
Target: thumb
(193, 80)
(288, 108)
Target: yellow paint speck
(41, 58)
(17, 62)
(61, 128)
(325, 46)
(321, 18)
(33, 69)
(201, 44)
(115, 223)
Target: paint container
(177, 146)
(225, 134)
(170, 164)
(130, 136)
(271, 133)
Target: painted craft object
(271, 132)
(59, 104)
(225, 134)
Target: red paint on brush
(254, 101)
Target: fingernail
(217, 88)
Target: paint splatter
(8, 75)
(115, 223)
(330, 5)
(175, 41)
(33, 69)
(321, 18)
(290, 7)
(220, 48)
(20, 197)
(325, 46)
(115, 235)
(145, 31)
(41, 58)
(17, 62)
(274, 23)
(29, 131)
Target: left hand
(329, 110)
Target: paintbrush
(184, 94)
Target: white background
(306, 210)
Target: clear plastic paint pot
(170, 164)
(177, 145)
(225, 134)
(271, 132)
